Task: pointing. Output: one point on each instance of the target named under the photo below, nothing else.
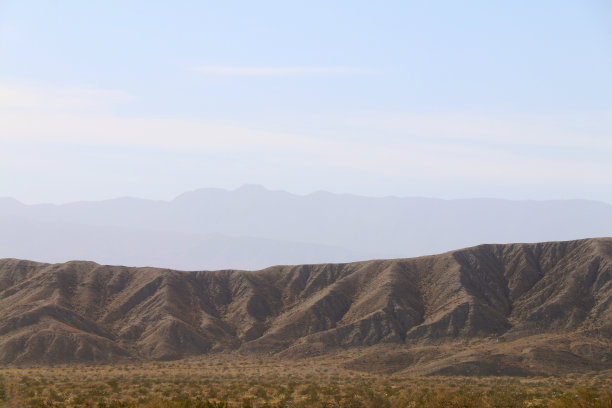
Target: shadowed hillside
(514, 309)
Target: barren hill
(541, 308)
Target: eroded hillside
(517, 308)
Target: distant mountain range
(251, 227)
(516, 309)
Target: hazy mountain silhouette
(207, 228)
(61, 241)
(493, 309)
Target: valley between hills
(507, 309)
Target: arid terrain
(222, 381)
(516, 309)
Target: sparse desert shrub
(260, 392)
(113, 384)
(351, 402)
(287, 386)
(583, 398)
(116, 404)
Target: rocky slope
(492, 309)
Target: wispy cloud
(278, 71)
(15, 95)
(55, 117)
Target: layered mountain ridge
(253, 228)
(486, 309)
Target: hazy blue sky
(100, 99)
